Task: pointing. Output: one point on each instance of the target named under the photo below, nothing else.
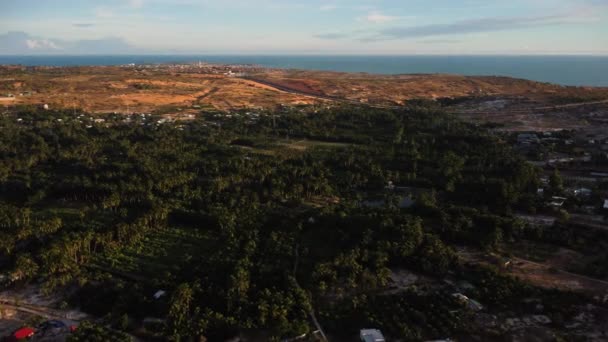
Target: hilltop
(174, 88)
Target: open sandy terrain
(397, 89)
(551, 272)
(117, 89)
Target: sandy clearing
(99, 88)
(168, 84)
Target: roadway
(283, 88)
(286, 89)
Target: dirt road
(283, 88)
(544, 275)
(42, 311)
(533, 110)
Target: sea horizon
(565, 69)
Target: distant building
(599, 174)
(557, 202)
(541, 319)
(371, 335)
(527, 138)
(582, 192)
(564, 160)
(460, 297)
(470, 303)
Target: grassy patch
(303, 145)
(158, 254)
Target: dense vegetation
(250, 224)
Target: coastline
(566, 70)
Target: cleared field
(547, 276)
(397, 89)
(118, 90)
(290, 148)
(303, 145)
(115, 89)
(544, 266)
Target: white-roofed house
(371, 335)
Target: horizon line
(315, 54)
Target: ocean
(564, 70)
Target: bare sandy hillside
(116, 89)
(397, 89)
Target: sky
(360, 27)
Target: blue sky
(306, 26)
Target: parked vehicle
(21, 334)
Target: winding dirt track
(49, 314)
(543, 275)
(532, 110)
(564, 272)
(280, 87)
(283, 88)
(37, 310)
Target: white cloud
(103, 12)
(136, 3)
(377, 17)
(328, 7)
(368, 20)
(37, 44)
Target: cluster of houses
(25, 93)
(518, 323)
(581, 158)
(237, 70)
(584, 195)
(531, 138)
